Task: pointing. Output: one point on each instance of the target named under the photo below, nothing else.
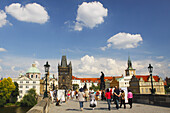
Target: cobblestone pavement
(72, 106)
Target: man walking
(116, 96)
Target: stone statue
(102, 82)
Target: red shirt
(108, 95)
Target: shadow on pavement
(73, 110)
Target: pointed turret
(129, 63)
(70, 65)
(64, 61)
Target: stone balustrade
(160, 100)
(41, 107)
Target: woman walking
(108, 98)
(122, 99)
(93, 102)
(130, 96)
(81, 99)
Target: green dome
(33, 69)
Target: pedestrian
(68, 95)
(93, 102)
(108, 98)
(72, 94)
(76, 93)
(81, 99)
(97, 94)
(86, 94)
(130, 96)
(122, 99)
(103, 92)
(116, 96)
(52, 96)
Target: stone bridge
(142, 104)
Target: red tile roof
(94, 79)
(146, 77)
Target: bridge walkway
(72, 106)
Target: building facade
(28, 81)
(142, 84)
(65, 74)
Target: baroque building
(65, 74)
(28, 81)
(142, 84)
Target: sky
(94, 35)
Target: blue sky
(46, 30)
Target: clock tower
(130, 71)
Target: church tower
(65, 74)
(130, 71)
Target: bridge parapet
(160, 100)
(41, 107)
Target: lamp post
(46, 66)
(150, 69)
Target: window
(146, 90)
(34, 86)
(27, 81)
(36, 76)
(20, 86)
(31, 76)
(20, 91)
(34, 82)
(20, 96)
(142, 90)
(26, 91)
(27, 86)
(21, 81)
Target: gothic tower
(130, 71)
(65, 74)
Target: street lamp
(150, 69)
(46, 66)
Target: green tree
(14, 94)
(6, 88)
(95, 88)
(75, 86)
(29, 99)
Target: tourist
(68, 95)
(116, 96)
(76, 93)
(122, 99)
(93, 102)
(108, 97)
(72, 94)
(130, 96)
(86, 94)
(81, 99)
(97, 94)
(52, 96)
(102, 95)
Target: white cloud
(160, 57)
(32, 12)
(90, 15)
(2, 50)
(87, 66)
(0, 68)
(3, 17)
(123, 41)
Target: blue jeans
(81, 104)
(109, 102)
(117, 102)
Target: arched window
(36, 76)
(31, 76)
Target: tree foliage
(14, 94)
(29, 99)
(6, 88)
(75, 86)
(95, 88)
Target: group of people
(83, 95)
